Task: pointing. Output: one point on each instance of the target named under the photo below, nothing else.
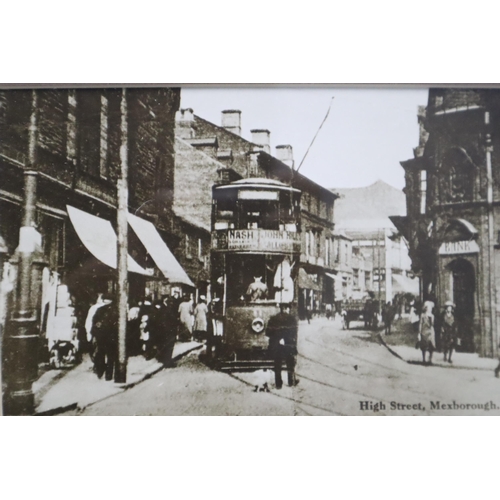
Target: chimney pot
(231, 120)
(262, 137)
(284, 153)
(184, 123)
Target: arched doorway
(464, 289)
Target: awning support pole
(122, 227)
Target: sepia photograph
(217, 250)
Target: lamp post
(21, 339)
(122, 229)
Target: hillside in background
(368, 207)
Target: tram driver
(257, 290)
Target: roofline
(285, 166)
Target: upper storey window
(457, 176)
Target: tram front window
(257, 278)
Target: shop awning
(305, 281)
(100, 239)
(403, 284)
(159, 251)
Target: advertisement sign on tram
(261, 240)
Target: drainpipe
(491, 241)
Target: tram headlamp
(258, 325)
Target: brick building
(67, 144)
(453, 206)
(207, 154)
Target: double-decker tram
(255, 261)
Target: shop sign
(260, 240)
(458, 247)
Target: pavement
(401, 343)
(58, 391)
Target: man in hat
(282, 330)
(105, 333)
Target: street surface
(341, 372)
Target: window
(188, 247)
(457, 179)
(423, 190)
(200, 249)
(336, 250)
(307, 243)
(327, 252)
(103, 150)
(355, 278)
(71, 126)
(89, 113)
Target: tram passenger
(282, 330)
(257, 290)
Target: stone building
(453, 205)
(207, 154)
(60, 154)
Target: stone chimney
(262, 138)
(184, 124)
(231, 120)
(284, 153)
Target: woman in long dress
(427, 336)
(448, 331)
(200, 320)
(185, 320)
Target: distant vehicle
(365, 310)
(255, 261)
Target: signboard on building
(259, 240)
(458, 247)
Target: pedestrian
(414, 317)
(105, 333)
(448, 331)
(308, 314)
(427, 335)
(200, 320)
(185, 319)
(282, 330)
(166, 332)
(214, 327)
(146, 323)
(328, 311)
(388, 317)
(89, 323)
(133, 330)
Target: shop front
(459, 261)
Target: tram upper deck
(256, 215)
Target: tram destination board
(259, 240)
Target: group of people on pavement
(153, 327)
(425, 327)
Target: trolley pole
(122, 226)
(21, 340)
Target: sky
(367, 132)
